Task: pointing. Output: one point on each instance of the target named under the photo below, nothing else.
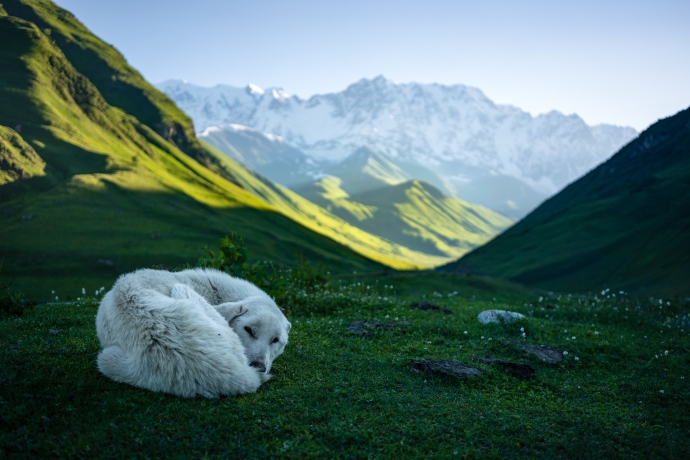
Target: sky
(620, 62)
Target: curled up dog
(194, 332)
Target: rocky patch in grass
(522, 370)
(452, 368)
(365, 327)
(430, 306)
(546, 354)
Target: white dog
(195, 332)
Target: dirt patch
(441, 366)
(546, 354)
(365, 327)
(430, 306)
(522, 370)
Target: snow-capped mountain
(456, 131)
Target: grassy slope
(624, 225)
(18, 160)
(334, 394)
(322, 221)
(114, 190)
(120, 84)
(413, 214)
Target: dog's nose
(260, 366)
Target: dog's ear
(231, 310)
(289, 326)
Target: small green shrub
(278, 281)
(13, 302)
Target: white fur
(187, 333)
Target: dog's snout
(259, 365)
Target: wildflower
(577, 359)
(96, 292)
(661, 391)
(596, 332)
(56, 297)
(666, 352)
(83, 291)
(465, 332)
(387, 316)
(573, 338)
(522, 329)
(482, 337)
(490, 338)
(524, 335)
(565, 353)
(53, 292)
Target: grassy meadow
(621, 391)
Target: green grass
(625, 225)
(338, 395)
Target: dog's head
(261, 326)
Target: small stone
(441, 366)
(54, 331)
(499, 316)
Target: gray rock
(499, 316)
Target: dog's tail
(113, 362)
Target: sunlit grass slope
(414, 214)
(119, 83)
(625, 225)
(108, 194)
(325, 222)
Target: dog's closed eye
(249, 331)
(275, 340)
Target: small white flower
(596, 333)
(524, 335)
(661, 391)
(573, 338)
(83, 291)
(666, 352)
(522, 329)
(565, 353)
(465, 332)
(387, 316)
(490, 338)
(482, 337)
(56, 297)
(53, 292)
(577, 359)
(96, 292)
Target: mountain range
(100, 173)
(457, 132)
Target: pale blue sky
(622, 62)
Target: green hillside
(625, 225)
(414, 214)
(120, 84)
(89, 192)
(328, 222)
(368, 169)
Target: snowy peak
(448, 129)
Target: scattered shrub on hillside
(278, 281)
(12, 302)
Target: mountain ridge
(624, 225)
(441, 127)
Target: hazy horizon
(610, 62)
